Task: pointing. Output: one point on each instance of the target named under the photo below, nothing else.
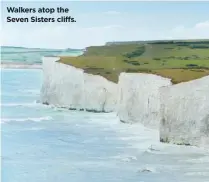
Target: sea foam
(38, 119)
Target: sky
(100, 22)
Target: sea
(47, 144)
(25, 55)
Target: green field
(179, 60)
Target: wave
(29, 91)
(33, 104)
(124, 158)
(200, 160)
(45, 118)
(33, 129)
(17, 104)
(199, 173)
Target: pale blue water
(45, 144)
(32, 55)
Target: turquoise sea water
(32, 55)
(46, 144)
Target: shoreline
(20, 66)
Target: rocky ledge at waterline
(180, 111)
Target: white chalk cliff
(185, 113)
(69, 87)
(181, 111)
(139, 98)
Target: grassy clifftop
(179, 60)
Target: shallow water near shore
(11, 56)
(46, 144)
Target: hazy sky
(99, 22)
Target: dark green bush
(157, 59)
(191, 65)
(132, 62)
(199, 46)
(136, 53)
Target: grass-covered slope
(179, 60)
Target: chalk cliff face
(181, 111)
(69, 87)
(139, 98)
(185, 113)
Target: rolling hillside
(179, 60)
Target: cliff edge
(139, 98)
(185, 113)
(180, 112)
(69, 87)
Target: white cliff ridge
(69, 87)
(180, 112)
(185, 113)
(139, 98)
